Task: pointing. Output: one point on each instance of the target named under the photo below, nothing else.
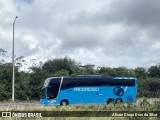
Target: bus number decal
(118, 91)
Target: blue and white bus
(88, 90)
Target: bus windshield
(53, 88)
(52, 92)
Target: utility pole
(13, 62)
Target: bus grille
(129, 99)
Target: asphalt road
(9, 105)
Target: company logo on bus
(118, 91)
(86, 89)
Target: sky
(111, 33)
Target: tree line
(28, 84)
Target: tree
(106, 71)
(5, 81)
(36, 81)
(2, 52)
(140, 72)
(150, 87)
(59, 73)
(154, 71)
(115, 72)
(59, 64)
(87, 69)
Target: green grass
(142, 105)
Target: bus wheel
(64, 102)
(118, 100)
(110, 100)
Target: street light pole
(13, 62)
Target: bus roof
(92, 76)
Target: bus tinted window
(74, 82)
(121, 82)
(53, 88)
(102, 81)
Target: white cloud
(105, 33)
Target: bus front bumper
(46, 102)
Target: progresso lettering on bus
(88, 90)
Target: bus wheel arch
(64, 102)
(110, 100)
(119, 100)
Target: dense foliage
(28, 84)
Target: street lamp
(13, 62)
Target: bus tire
(64, 102)
(119, 100)
(110, 100)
